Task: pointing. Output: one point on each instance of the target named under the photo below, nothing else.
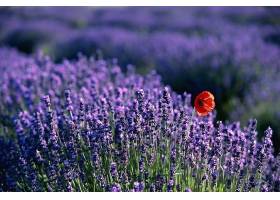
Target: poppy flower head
(204, 103)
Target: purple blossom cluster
(232, 53)
(231, 62)
(90, 124)
(85, 125)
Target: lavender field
(102, 99)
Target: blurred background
(232, 51)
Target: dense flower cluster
(86, 126)
(232, 53)
(91, 125)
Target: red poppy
(204, 103)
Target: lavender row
(86, 126)
(240, 45)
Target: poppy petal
(206, 95)
(204, 103)
(201, 110)
(209, 104)
(198, 107)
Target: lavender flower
(86, 125)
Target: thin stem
(190, 123)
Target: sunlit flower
(204, 103)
